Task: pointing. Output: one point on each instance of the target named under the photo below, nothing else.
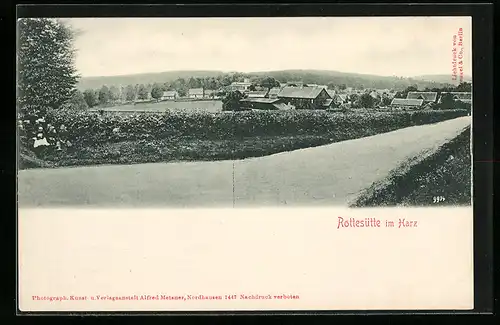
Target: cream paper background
(245, 251)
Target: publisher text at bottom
(153, 297)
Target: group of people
(42, 136)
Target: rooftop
(429, 96)
(407, 102)
(300, 92)
(196, 91)
(261, 100)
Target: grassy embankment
(444, 173)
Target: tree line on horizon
(113, 94)
(48, 79)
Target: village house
(328, 103)
(264, 104)
(426, 96)
(195, 93)
(340, 99)
(258, 94)
(465, 97)
(304, 97)
(210, 94)
(169, 95)
(273, 92)
(407, 103)
(241, 86)
(388, 93)
(337, 98)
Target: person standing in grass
(40, 144)
(52, 134)
(63, 136)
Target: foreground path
(330, 174)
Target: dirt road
(327, 175)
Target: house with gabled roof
(340, 99)
(264, 104)
(407, 103)
(241, 86)
(258, 94)
(273, 92)
(169, 95)
(465, 97)
(210, 94)
(304, 97)
(426, 96)
(195, 93)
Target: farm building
(273, 92)
(426, 96)
(257, 94)
(340, 99)
(210, 94)
(407, 103)
(195, 93)
(328, 103)
(241, 86)
(465, 97)
(169, 95)
(264, 103)
(304, 97)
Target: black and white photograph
(194, 164)
(244, 112)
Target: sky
(386, 46)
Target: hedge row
(86, 128)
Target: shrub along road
(326, 175)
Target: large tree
(231, 102)
(114, 93)
(269, 82)
(130, 93)
(45, 63)
(447, 101)
(104, 95)
(76, 102)
(90, 97)
(366, 101)
(142, 92)
(157, 91)
(464, 86)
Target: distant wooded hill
(306, 76)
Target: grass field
(187, 106)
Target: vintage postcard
(243, 164)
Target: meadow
(210, 106)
